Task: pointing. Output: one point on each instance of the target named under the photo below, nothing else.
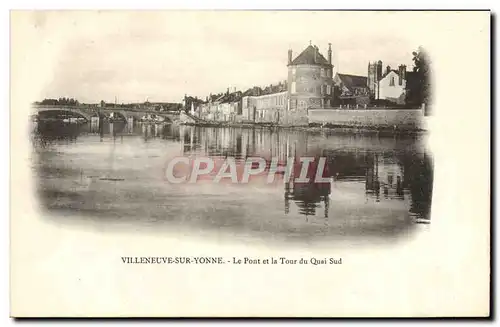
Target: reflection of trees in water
(418, 178)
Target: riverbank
(316, 127)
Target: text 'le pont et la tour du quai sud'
(287, 261)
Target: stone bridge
(87, 112)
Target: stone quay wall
(401, 118)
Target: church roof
(308, 57)
(351, 81)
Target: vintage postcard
(250, 163)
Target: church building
(388, 85)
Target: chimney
(227, 92)
(290, 56)
(330, 53)
(387, 70)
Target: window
(323, 72)
(392, 81)
(294, 88)
(294, 70)
(328, 89)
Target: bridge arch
(88, 112)
(73, 112)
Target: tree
(422, 70)
(49, 102)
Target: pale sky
(160, 56)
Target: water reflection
(381, 170)
(55, 130)
(371, 183)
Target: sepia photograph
(223, 147)
(105, 152)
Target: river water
(115, 172)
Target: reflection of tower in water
(307, 195)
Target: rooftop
(310, 56)
(353, 80)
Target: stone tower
(310, 80)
